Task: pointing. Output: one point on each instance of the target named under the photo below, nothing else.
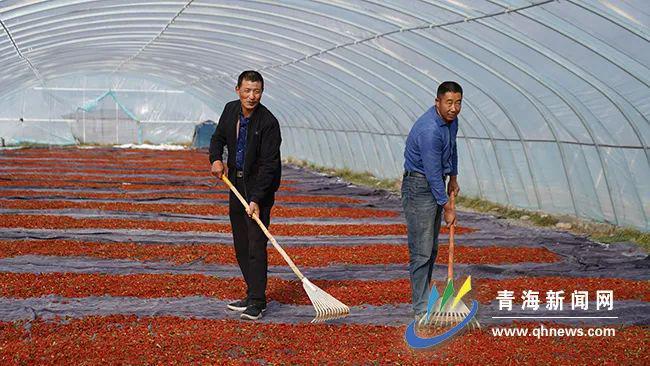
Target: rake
(448, 312)
(327, 306)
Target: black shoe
(240, 305)
(253, 312)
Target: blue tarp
(202, 134)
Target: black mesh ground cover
(579, 256)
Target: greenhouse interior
(555, 113)
(556, 101)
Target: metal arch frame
(152, 66)
(21, 56)
(398, 72)
(90, 20)
(623, 65)
(221, 76)
(526, 95)
(297, 141)
(99, 14)
(635, 76)
(294, 85)
(358, 102)
(263, 2)
(608, 19)
(589, 8)
(182, 66)
(504, 79)
(246, 34)
(549, 85)
(211, 52)
(418, 70)
(308, 11)
(585, 125)
(427, 90)
(76, 3)
(407, 113)
(621, 110)
(330, 97)
(346, 60)
(508, 34)
(419, 27)
(380, 77)
(544, 52)
(74, 40)
(329, 65)
(322, 76)
(70, 39)
(372, 86)
(469, 105)
(46, 5)
(311, 107)
(283, 26)
(306, 57)
(189, 2)
(560, 148)
(336, 97)
(362, 80)
(340, 20)
(598, 145)
(400, 30)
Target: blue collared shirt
(241, 141)
(431, 150)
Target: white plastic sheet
(557, 93)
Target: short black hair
(250, 75)
(449, 86)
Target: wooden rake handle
(264, 229)
(452, 229)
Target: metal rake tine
(475, 322)
(322, 301)
(430, 319)
(327, 307)
(437, 318)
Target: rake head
(327, 306)
(449, 316)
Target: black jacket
(262, 165)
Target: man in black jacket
(252, 135)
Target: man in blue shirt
(430, 157)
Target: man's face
(250, 93)
(448, 105)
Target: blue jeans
(423, 218)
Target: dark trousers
(250, 245)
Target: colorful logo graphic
(447, 313)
